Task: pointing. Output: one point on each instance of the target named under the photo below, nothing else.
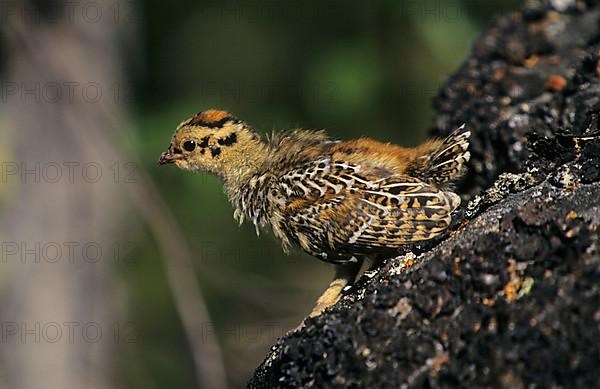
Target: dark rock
(511, 297)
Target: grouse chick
(339, 201)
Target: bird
(339, 201)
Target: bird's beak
(168, 157)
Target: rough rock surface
(511, 297)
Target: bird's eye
(189, 145)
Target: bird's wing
(336, 208)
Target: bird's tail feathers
(446, 163)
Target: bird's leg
(378, 260)
(345, 274)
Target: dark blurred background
(160, 286)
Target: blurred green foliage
(353, 68)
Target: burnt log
(511, 296)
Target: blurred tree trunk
(59, 306)
(63, 103)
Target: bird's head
(215, 142)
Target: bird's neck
(248, 160)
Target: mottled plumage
(337, 200)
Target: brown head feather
(211, 118)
